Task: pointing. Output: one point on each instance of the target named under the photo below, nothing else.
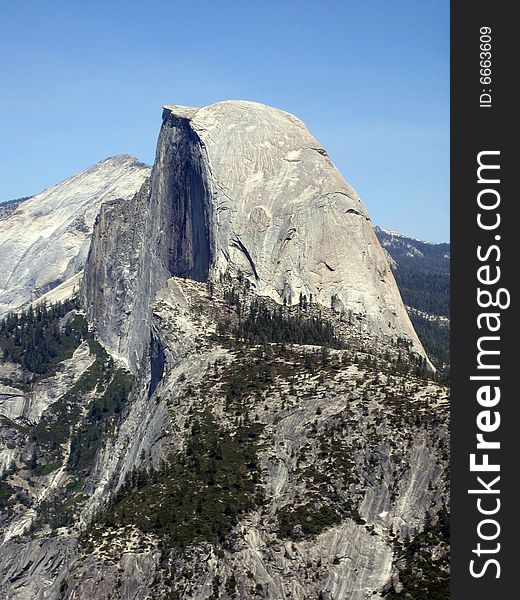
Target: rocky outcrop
(240, 188)
(284, 216)
(28, 406)
(367, 445)
(269, 443)
(111, 282)
(45, 239)
(136, 246)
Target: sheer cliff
(243, 188)
(234, 403)
(45, 239)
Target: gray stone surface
(239, 187)
(45, 240)
(239, 192)
(400, 462)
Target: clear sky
(82, 80)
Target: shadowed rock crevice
(165, 230)
(157, 360)
(182, 189)
(236, 243)
(224, 199)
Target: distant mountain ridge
(422, 272)
(9, 206)
(407, 251)
(44, 239)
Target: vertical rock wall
(164, 230)
(239, 187)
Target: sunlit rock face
(45, 240)
(165, 229)
(240, 187)
(226, 466)
(282, 214)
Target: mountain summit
(242, 188)
(229, 400)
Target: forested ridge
(422, 273)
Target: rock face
(277, 436)
(29, 407)
(45, 240)
(239, 187)
(349, 464)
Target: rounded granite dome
(243, 188)
(284, 216)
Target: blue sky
(81, 81)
